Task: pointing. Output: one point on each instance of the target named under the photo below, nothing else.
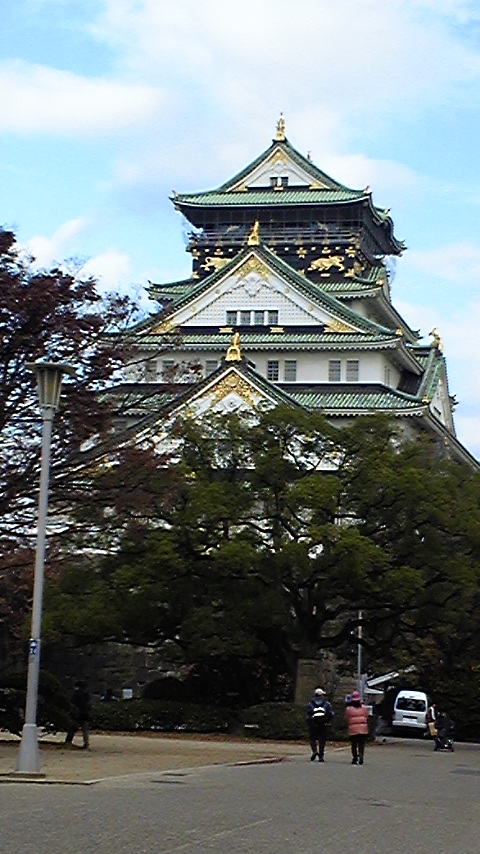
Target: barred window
(231, 318)
(273, 318)
(244, 318)
(334, 370)
(290, 370)
(150, 371)
(352, 370)
(168, 368)
(272, 371)
(259, 318)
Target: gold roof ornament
(280, 135)
(254, 236)
(437, 343)
(233, 351)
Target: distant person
(356, 714)
(430, 719)
(81, 702)
(108, 696)
(444, 734)
(319, 715)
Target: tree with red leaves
(49, 315)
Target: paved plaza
(177, 795)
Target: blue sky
(108, 105)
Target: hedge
(161, 716)
(282, 721)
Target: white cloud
(45, 100)
(336, 70)
(384, 175)
(48, 251)
(111, 268)
(344, 56)
(457, 263)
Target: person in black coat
(319, 714)
(81, 702)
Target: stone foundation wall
(112, 665)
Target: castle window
(334, 370)
(150, 371)
(259, 318)
(290, 370)
(284, 181)
(273, 318)
(244, 318)
(168, 366)
(272, 371)
(273, 181)
(231, 318)
(352, 370)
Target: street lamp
(360, 684)
(49, 383)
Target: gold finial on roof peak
(280, 135)
(233, 350)
(437, 343)
(254, 236)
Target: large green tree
(266, 535)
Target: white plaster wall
(440, 405)
(279, 165)
(253, 294)
(312, 367)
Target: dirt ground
(121, 754)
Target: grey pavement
(405, 798)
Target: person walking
(356, 715)
(81, 702)
(319, 714)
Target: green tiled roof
(171, 289)
(266, 340)
(347, 286)
(340, 399)
(270, 197)
(434, 369)
(144, 397)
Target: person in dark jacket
(319, 714)
(356, 715)
(81, 702)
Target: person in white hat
(319, 715)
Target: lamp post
(49, 383)
(359, 656)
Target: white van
(409, 711)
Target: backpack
(319, 713)
(319, 716)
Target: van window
(411, 704)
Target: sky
(110, 105)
